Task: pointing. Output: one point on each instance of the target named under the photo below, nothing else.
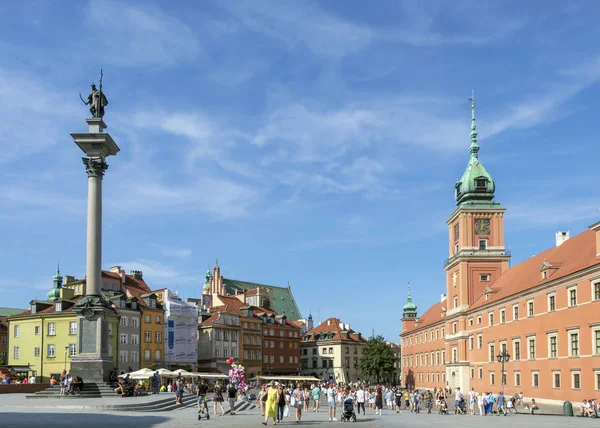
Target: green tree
(3, 360)
(378, 359)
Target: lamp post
(66, 349)
(502, 357)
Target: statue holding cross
(96, 100)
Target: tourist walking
(201, 397)
(316, 396)
(378, 401)
(271, 403)
(298, 399)
(262, 399)
(218, 399)
(231, 394)
(281, 403)
(360, 399)
(331, 401)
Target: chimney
(359, 336)
(561, 237)
(137, 274)
(443, 297)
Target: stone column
(93, 362)
(95, 168)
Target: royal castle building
(542, 311)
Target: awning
(211, 375)
(290, 378)
(20, 369)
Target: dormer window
(480, 183)
(33, 308)
(152, 303)
(545, 274)
(58, 307)
(133, 305)
(123, 304)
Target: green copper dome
(476, 184)
(54, 293)
(409, 309)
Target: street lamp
(503, 357)
(66, 349)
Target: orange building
(541, 311)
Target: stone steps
(90, 390)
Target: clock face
(482, 226)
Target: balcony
(466, 252)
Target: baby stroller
(462, 408)
(348, 413)
(443, 409)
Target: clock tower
(477, 256)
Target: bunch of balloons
(236, 374)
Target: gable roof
(573, 255)
(332, 325)
(282, 299)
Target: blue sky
(310, 142)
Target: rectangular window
(157, 319)
(597, 291)
(471, 343)
(573, 297)
(530, 308)
(556, 379)
(482, 244)
(50, 353)
(596, 347)
(147, 319)
(51, 329)
(217, 353)
(517, 379)
(502, 316)
(515, 312)
(72, 350)
(158, 337)
(124, 322)
(148, 336)
(37, 330)
(597, 374)
(157, 355)
(36, 351)
(455, 301)
(551, 303)
(147, 354)
(16, 352)
(135, 322)
(123, 356)
(576, 380)
(135, 339)
(492, 378)
(58, 307)
(454, 328)
(479, 341)
(574, 338)
(553, 347)
(517, 350)
(479, 319)
(17, 331)
(484, 277)
(472, 373)
(123, 339)
(531, 348)
(491, 318)
(535, 379)
(492, 354)
(73, 327)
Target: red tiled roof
(573, 255)
(433, 315)
(334, 327)
(51, 309)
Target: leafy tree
(378, 359)
(3, 360)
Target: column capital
(95, 167)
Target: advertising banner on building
(181, 331)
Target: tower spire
(409, 309)
(474, 148)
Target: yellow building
(45, 336)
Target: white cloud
(181, 253)
(130, 36)
(157, 273)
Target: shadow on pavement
(85, 420)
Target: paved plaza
(16, 411)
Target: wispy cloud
(159, 273)
(181, 253)
(130, 36)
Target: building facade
(45, 336)
(332, 351)
(540, 311)
(128, 332)
(4, 313)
